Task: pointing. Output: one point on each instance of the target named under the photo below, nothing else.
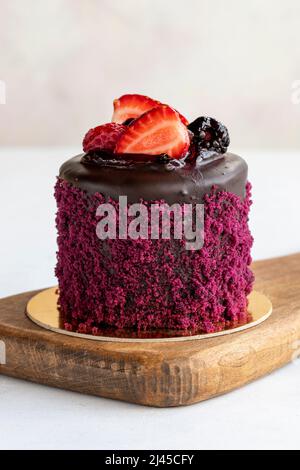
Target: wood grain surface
(159, 374)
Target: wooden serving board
(158, 374)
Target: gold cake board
(42, 310)
(164, 373)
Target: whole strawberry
(103, 137)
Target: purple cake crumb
(152, 284)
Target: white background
(265, 414)
(63, 62)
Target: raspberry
(209, 134)
(103, 137)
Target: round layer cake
(152, 285)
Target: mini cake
(153, 156)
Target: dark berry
(209, 134)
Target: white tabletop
(264, 414)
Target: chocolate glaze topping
(150, 178)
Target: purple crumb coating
(152, 284)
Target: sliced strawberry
(182, 118)
(103, 137)
(133, 106)
(158, 131)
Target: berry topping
(132, 106)
(103, 137)
(182, 118)
(209, 134)
(158, 131)
(129, 107)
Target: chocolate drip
(152, 178)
